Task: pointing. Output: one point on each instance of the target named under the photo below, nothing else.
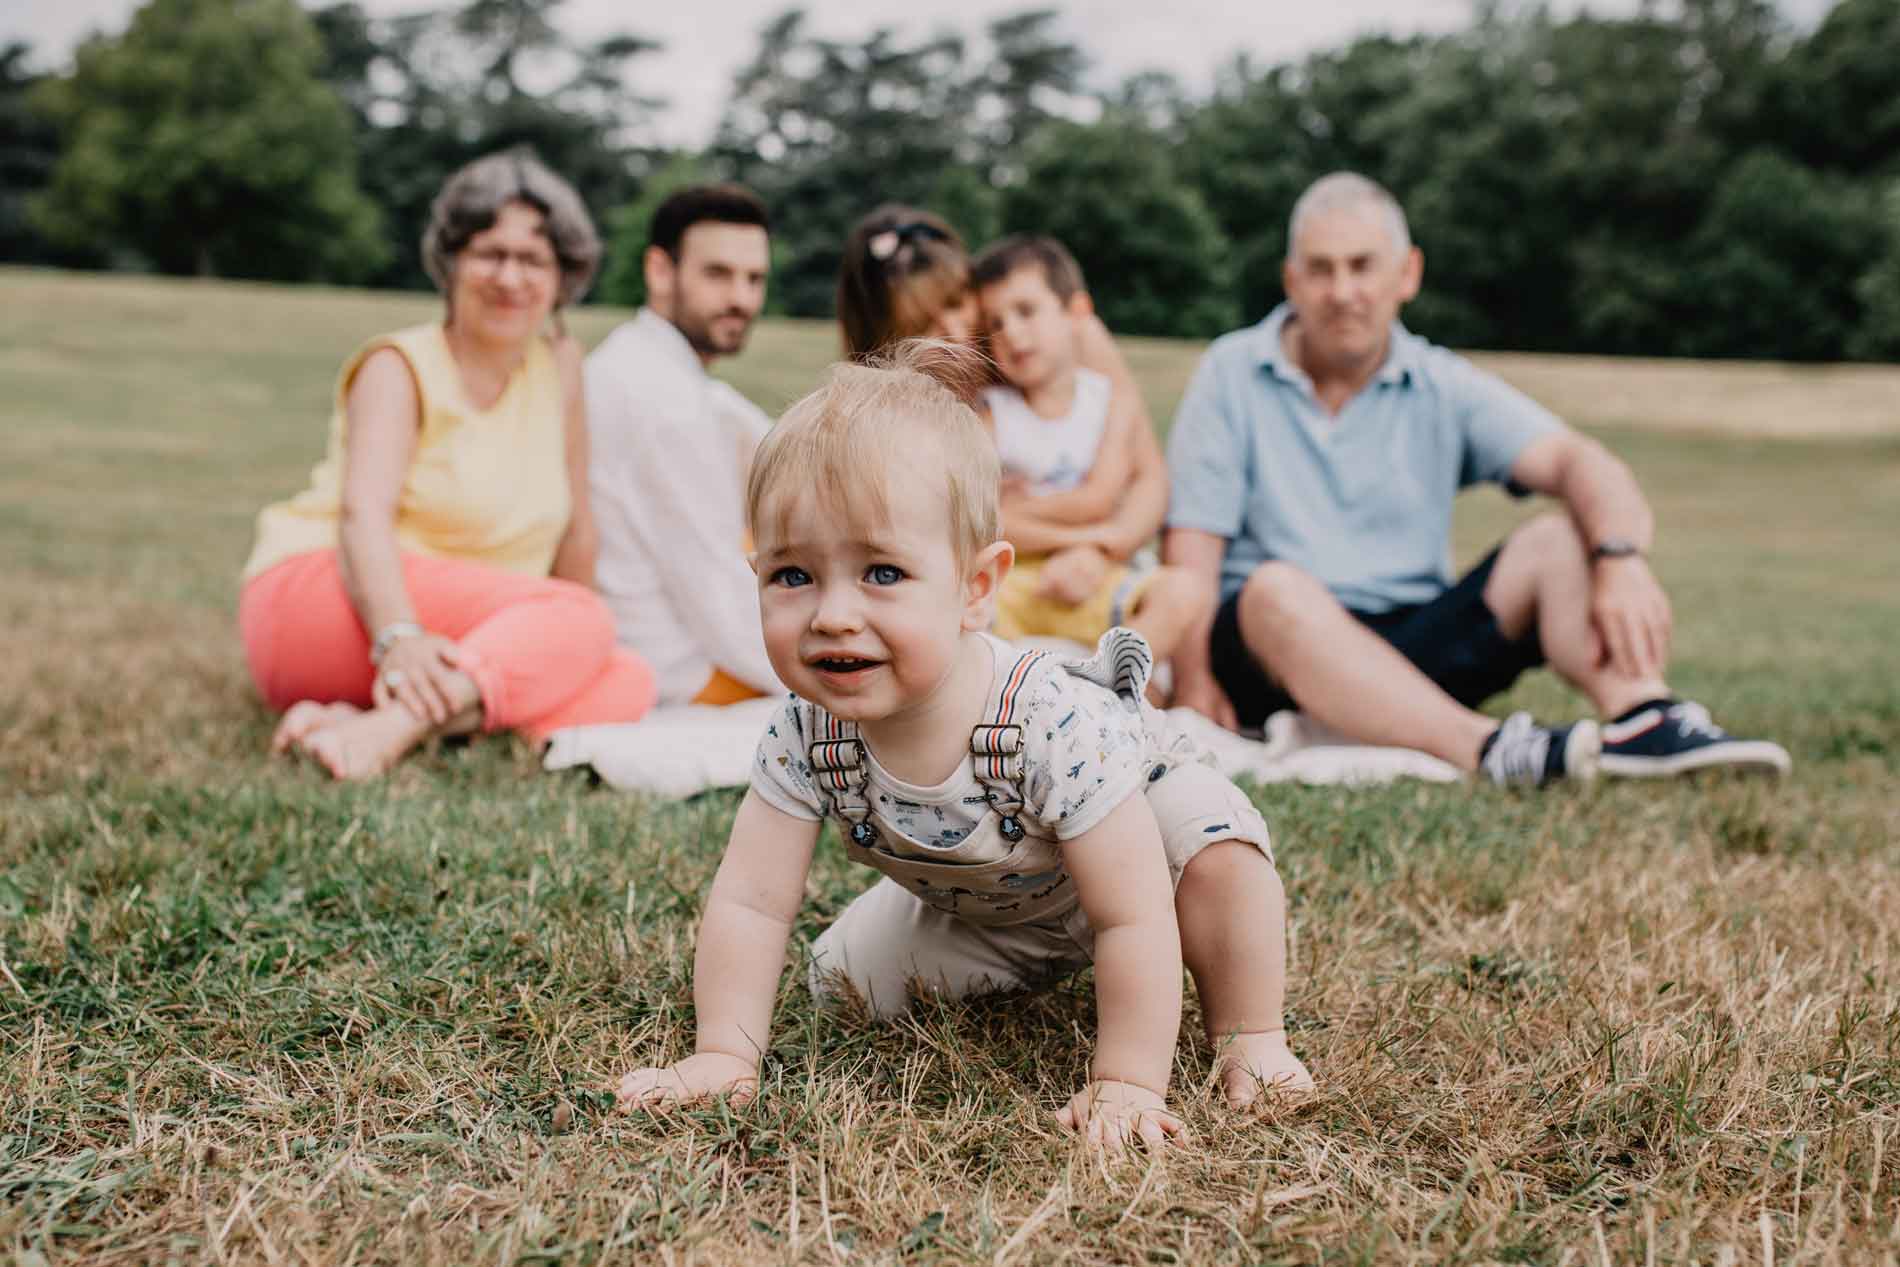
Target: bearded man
(670, 446)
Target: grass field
(248, 1016)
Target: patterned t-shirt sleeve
(781, 769)
(1082, 751)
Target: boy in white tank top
(1052, 427)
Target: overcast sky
(706, 40)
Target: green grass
(246, 1015)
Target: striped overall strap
(839, 771)
(996, 748)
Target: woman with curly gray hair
(437, 575)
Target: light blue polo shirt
(1361, 501)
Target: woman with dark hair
(436, 577)
(905, 273)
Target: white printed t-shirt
(1085, 750)
(1051, 454)
(669, 448)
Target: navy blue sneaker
(1522, 752)
(1666, 737)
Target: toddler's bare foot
(366, 744)
(1252, 1063)
(307, 717)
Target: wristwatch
(391, 634)
(1614, 548)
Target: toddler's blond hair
(906, 407)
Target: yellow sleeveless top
(486, 485)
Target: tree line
(1700, 179)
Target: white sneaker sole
(1745, 756)
(1583, 754)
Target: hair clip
(885, 246)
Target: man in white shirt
(670, 446)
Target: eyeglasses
(492, 259)
(885, 246)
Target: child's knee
(1226, 870)
(833, 979)
(1177, 590)
(585, 619)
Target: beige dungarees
(997, 910)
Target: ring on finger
(394, 679)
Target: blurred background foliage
(1700, 179)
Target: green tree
(203, 140)
(1154, 257)
(1248, 153)
(1772, 270)
(1836, 99)
(1032, 68)
(824, 129)
(431, 90)
(1470, 147)
(1878, 338)
(29, 149)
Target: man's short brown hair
(1026, 250)
(723, 203)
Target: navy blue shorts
(1454, 640)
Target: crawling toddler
(1030, 815)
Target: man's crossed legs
(1413, 678)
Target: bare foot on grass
(365, 745)
(1252, 1063)
(306, 717)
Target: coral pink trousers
(541, 650)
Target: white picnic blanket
(684, 750)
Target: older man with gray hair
(1315, 458)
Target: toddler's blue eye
(791, 578)
(884, 574)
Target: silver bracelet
(391, 634)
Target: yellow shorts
(1022, 612)
(722, 689)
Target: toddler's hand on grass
(1111, 1114)
(697, 1077)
